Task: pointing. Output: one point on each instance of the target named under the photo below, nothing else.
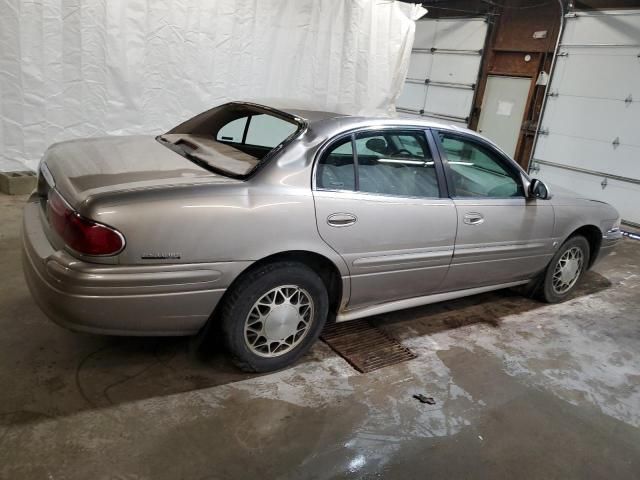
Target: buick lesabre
(271, 222)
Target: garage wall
(443, 72)
(78, 68)
(590, 141)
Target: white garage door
(444, 67)
(590, 136)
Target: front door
(502, 235)
(503, 105)
(378, 204)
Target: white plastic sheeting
(79, 68)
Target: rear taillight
(81, 234)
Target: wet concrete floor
(522, 390)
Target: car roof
(324, 125)
(327, 124)
(317, 117)
(322, 118)
(311, 116)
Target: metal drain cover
(364, 346)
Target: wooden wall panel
(521, 20)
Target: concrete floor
(522, 390)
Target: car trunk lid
(82, 168)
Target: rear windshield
(233, 139)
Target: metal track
(442, 116)
(427, 82)
(619, 178)
(447, 51)
(589, 45)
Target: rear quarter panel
(199, 223)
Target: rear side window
(388, 163)
(232, 139)
(336, 170)
(233, 131)
(268, 131)
(258, 130)
(396, 163)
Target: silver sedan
(271, 222)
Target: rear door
(502, 235)
(379, 205)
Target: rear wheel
(565, 269)
(273, 315)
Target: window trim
(504, 160)
(356, 164)
(322, 151)
(245, 132)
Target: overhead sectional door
(444, 67)
(590, 134)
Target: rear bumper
(171, 299)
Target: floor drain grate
(364, 346)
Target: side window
(336, 170)
(264, 130)
(374, 141)
(268, 131)
(477, 171)
(396, 163)
(411, 145)
(232, 131)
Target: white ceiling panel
(455, 68)
(412, 96)
(593, 118)
(449, 101)
(461, 34)
(440, 54)
(444, 67)
(455, 102)
(611, 27)
(425, 33)
(622, 195)
(575, 73)
(623, 160)
(420, 65)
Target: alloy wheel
(567, 270)
(278, 321)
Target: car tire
(565, 270)
(272, 316)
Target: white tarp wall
(78, 68)
(590, 135)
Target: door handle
(473, 218)
(341, 219)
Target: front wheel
(272, 316)
(565, 269)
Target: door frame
(523, 202)
(355, 194)
(475, 138)
(433, 144)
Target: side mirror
(538, 189)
